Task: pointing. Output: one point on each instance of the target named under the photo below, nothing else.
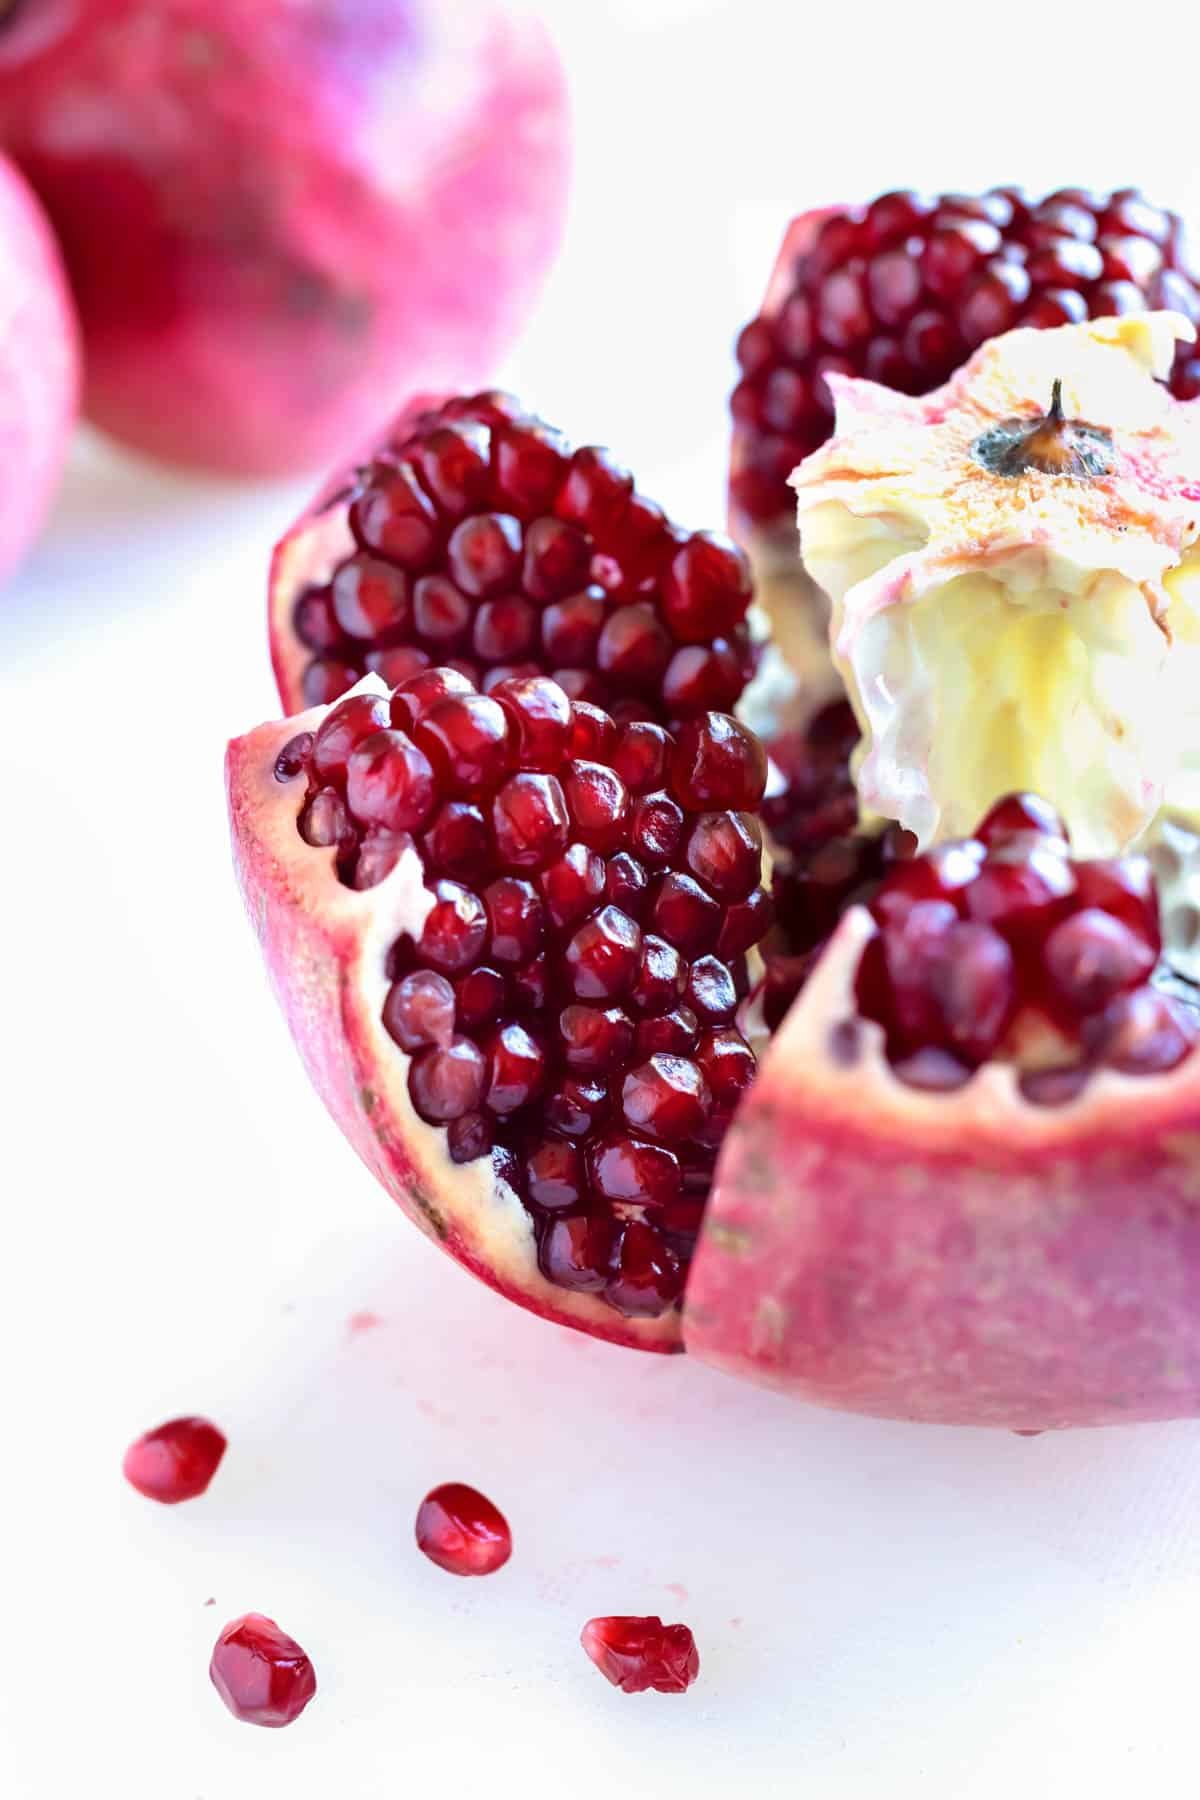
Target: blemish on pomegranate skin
(462, 1531)
(176, 1461)
(359, 1323)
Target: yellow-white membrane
(1036, 631)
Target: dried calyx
(1051, 444)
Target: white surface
(881, 1610)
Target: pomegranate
(261, 1674)
(461, 1531)
(476, 535)
(274, 210)
(39, 367)
(511, 940)
(962, 1187)
(901, 292)
(638, 1655)
(176, 1461)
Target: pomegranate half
(273, 211)
(39, 367)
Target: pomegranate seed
(1142, 1033)
(554, 1175)
(325, 821)
(261, 1674)
(724, 851)
(1021, 888)
(594, 1039)
(706, 589)
(745, 925)
(667, 1098)
(574, 1251)
(389, 782)
(942, 874)
(397, 664)
(479, 999)
(710, 990)
(419, 1010)
(461, 1531)
(1125, 888)
(575, 1106)
(392, 516)
(717, 762)
(894, 286)
(1066, 263)
(447, 1081)
(455, 465)
(421, 693)
(639, 1654)
(676, 1032)
(313, 620)
(541, 717)
(370, 598)
(727, 1063)
(484, 554)
(469, 1137)
(685, 915)
(622, 1168)
(531, 465)
(593, 734)
(345, 726)
(530, 820)
(661, 976)
(647, 1277)
(656, 829)
(634, 649)
(295, 757)
(441, 612)
(573, 885)
(975, 985)
(596, 492)
(455, 929)
(458, 841)
(1018, 815)
(516, 1066)
(1056, 1086)
(598, 804)
(937, 1071)
(571, 629)
(466, 741)
(1092, 957)
(175, 1461)
(327, 678)
(515, 919)
(627, 884)
(601, 959)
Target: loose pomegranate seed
(565, 991)
(175, 1461)
(903, 291)
(637, 1655)
(461, 1531)
(261, 1674)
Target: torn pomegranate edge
(326, 947)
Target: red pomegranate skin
(960, 1258)
(39, 367)
(273, 211)
(322, 955)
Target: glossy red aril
(640, 1654)
(974, 935)
(461, 1531)
(261, 1674)
(475, 533)
(176, 1461)
(573, 960)
(903, 290)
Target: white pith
(1013, 644)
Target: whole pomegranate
(273, 211)
(39, 367)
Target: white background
(881, 1610)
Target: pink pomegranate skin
(961, 1258)
(39, 367)
(273, 211)
(317, 944)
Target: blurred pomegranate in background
(274, 211)
(39, 366)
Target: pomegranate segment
(901, 291)
(176, 1461)
(475, 535)
(261, 1674)
(519, 1005)
(640, 1654)
(461, 1531)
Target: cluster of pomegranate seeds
(639, 1654)
(486, 543)
(461, 1531)
(261, 1674)
(979, 934)
(573, 990)
(176, 1461)
(903, 290)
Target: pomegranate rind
(325, 948)
(796, 673)
(39, 367)
(963, 1258)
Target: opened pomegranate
(511, 940)
(39, 367)
(901, 292)
(477, 536)
(273, 211)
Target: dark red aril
(175, 1461)
(261, 1673)
(639, 1654)
(462, 1531)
